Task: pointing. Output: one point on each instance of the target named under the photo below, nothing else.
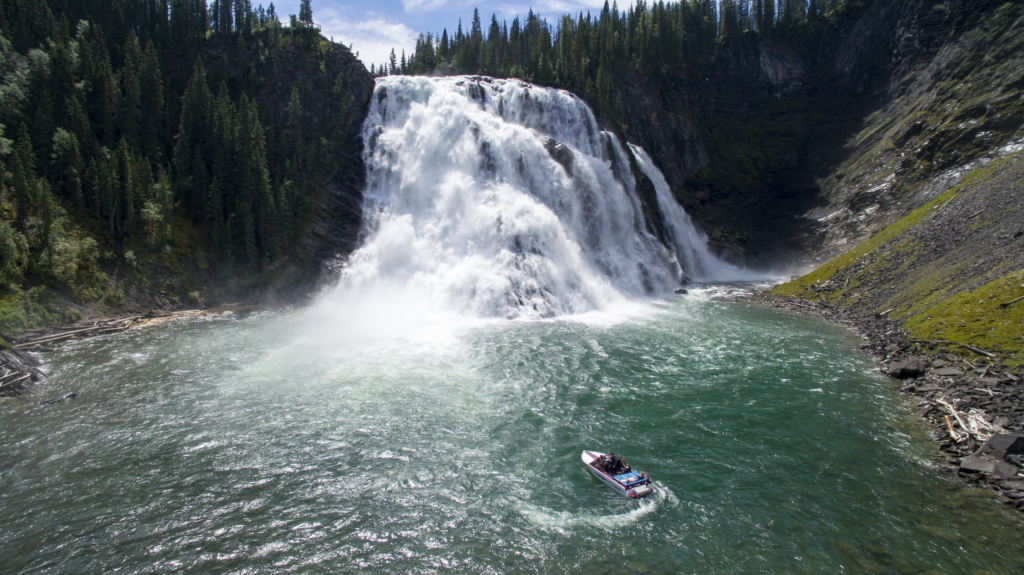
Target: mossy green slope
(945, 269)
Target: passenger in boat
(601, 462)
(613, 463)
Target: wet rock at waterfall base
(681, 291)
(977, 464)
(559, 153)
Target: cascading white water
(688, 243)
(498, 198)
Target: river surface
(295, 443)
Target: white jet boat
(631, 484)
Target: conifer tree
(254, 178)
(192, 147)
(40, 112)
(224, 152)
(151, 105)
(306, 12)
(296, 144)
(23, 167)
(131, 91)
(67, 165)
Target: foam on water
(568, 521)
(501, 199)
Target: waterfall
(498, 198)
(689, 244)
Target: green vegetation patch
(33, 308)
(980, 317)
(805, 286)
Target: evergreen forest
(586, 53)
(138, 133)
(154, 140)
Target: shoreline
(975, 407)
(19, 372)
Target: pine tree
(254, 178)
(306, 12)
(23, 167)
(296, 142)
(131, 91)
(40, 112)
(152, 106)
(224, 151)
(67, 164)
(191, 150)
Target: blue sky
(374, 27)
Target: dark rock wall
(779, 150)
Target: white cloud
(373, 37)
(423, 5)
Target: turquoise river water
(287, 442)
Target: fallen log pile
(46, 339)
(59, 335)
(18, 371)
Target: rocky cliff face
(953, 97)
(797, 152)
(922, 203)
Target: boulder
(560, 153)
(990, 458)
(1002, 444)
(947, 372)
(1004, 470)
(681, 291)
(1002, 421)
(913, 367)
(976, 464)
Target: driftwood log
(114, 325)
(18, 371)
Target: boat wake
(566, 521)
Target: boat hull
(636, 490)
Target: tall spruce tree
(151, 105)
(306, 12)
(191, 151)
